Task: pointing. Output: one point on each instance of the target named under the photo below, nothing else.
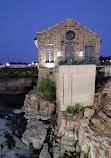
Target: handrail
(78, 61)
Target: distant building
(2, 66)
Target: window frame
(92, 53)
(49, 57)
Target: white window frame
(49, 57)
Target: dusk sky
(21, 19)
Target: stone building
(68, 41)
(68, 53)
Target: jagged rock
(109, 152)
(44, 153)
(34, 98)
(103, 116)
(84, 122)
(35, 134)
(46, 108)
(41, 109)
(43, 105)
(96, 122)
(88, 113)
(107, 107)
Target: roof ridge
(64, 21)
(54, 25)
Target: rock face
(72, 137)
(39, 130)
(35, 134)
(78, 138)
(36, 108)
(44, 153)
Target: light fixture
(49, 65)
(7, 64)
(58, 54)
(81, 54)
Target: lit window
(49, 53)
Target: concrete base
(75, 84)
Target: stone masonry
(56, 35)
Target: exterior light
(7, 64)
(32, 63)
(36, 64)
(81, 54)
(110, 61)
(103, 61)
(58, 54)
(49, 65)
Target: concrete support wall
(75, 84)
(107, 71)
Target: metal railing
(76, 61)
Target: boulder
(35, 134)
(88, 113)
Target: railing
(77, 61)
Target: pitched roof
(69, 19)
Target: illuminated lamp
(81, 54)
(58, 54)
(7, 64)
(49, 65)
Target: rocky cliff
(66, 135)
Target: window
(70, 35)
(49, 53)
(69, 50)
(89, 51)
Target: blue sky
(21, 19)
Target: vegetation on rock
(46, 89)
(73, 109)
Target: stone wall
(75, 84)
(47, 73)
(56, 35)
